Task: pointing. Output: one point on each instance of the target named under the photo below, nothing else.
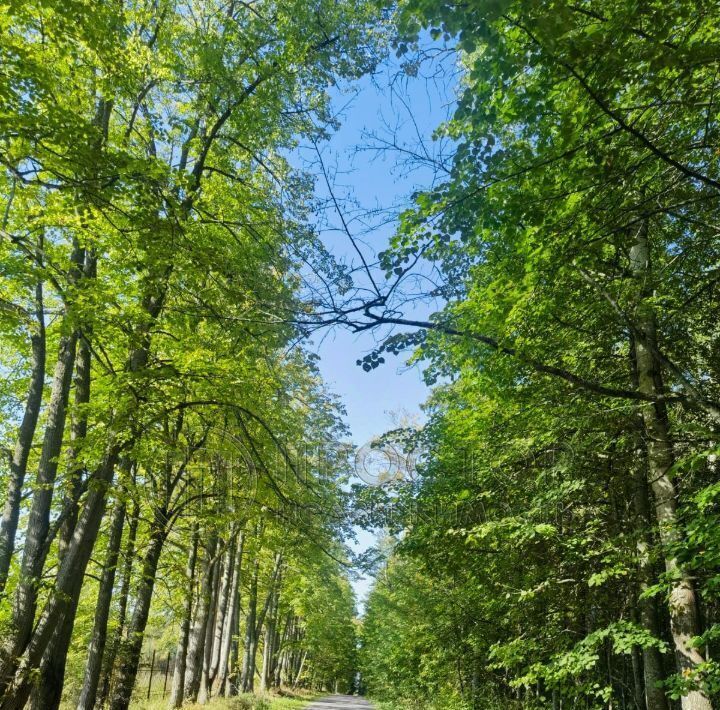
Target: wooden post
(167, 669)
(152, 667)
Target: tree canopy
(176, 485)
(571, 447)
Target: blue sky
(375, 180)
(380, 181)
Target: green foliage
(579, 128)
(151, 211)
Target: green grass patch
(286, 701)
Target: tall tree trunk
(222, 679)
(54, 647)
(19, 660)
(247, 678)
(267, 654)
(638, 684)
(129, 657)
(178, 685)
(230, 619)
(221, 621)
(652, 665)
(283, 666)
(298, 655)
(281, 643)
(33, 559)
(23, 444)
(232, 684)
(123, 593)
(96, 648)
(270, 641)
(130, 650)
(301, 666)
(252, 635)
(196, 646)
(35, 548)
(16, 672)
(204, 691)
(48, 690)
(682, 603)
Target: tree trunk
(178, 685)
(232, 685)
(283, 667)
(637, 678)
(48, 690)
(96, 648)
(16, 672)
(682, 604)
(282, 639)
(249, 661)
(35, 550)
(131, 649)
(221, 620)
(196, 646)
(652, 664)
(33, 560)
(123, 594)
(204, 691)
(26, 432)
(301, 665)
(19, 660)
(230, 620)
(247, 678)
(270, 641)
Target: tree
(568, 240)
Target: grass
(287, 701)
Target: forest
(181, 504)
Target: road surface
(340, 702)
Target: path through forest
(340, 702)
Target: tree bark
(247, 678)
(196, 646)
(682, 603)
(230, 620)
(204, 691)
(130, 651)
(252, 634)
(23, 444)
(282, 640)
(232, 684)
(16, 672)
(19, 659)
(123, 594)
(267, 654)
(652, 663)
(178, 685)
(33, 559)
(638, 684)
(269, 648)
(301, 665)
(48, 690)
(96, 649)
(223, 604)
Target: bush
(249, 702)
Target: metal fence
(154, 677)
